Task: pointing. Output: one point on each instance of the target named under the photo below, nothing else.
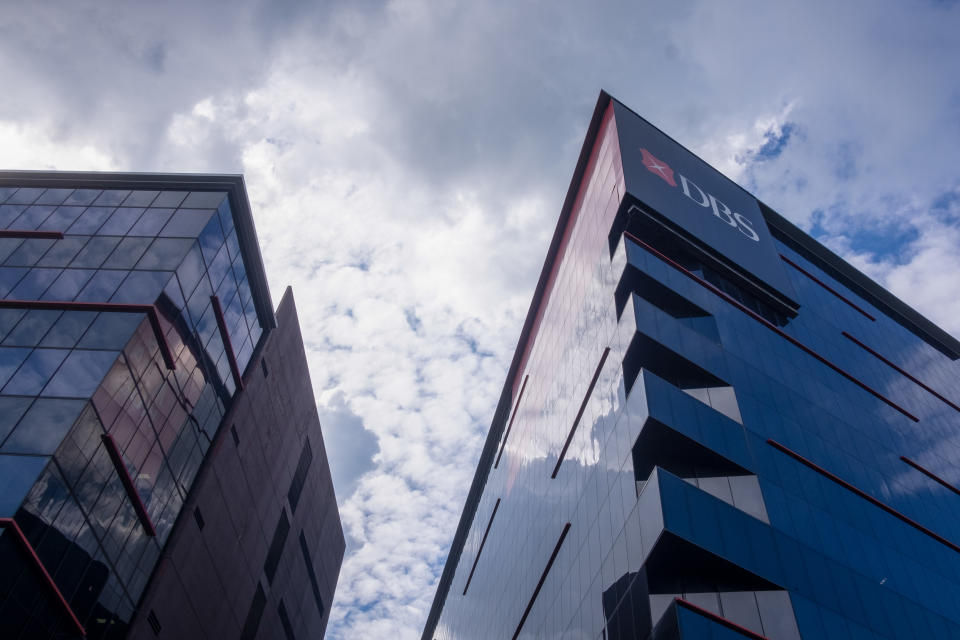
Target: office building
(712, 427)
(162, 468)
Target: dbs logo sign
(690, 189)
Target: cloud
(407, 161)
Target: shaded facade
(712, 427)
(137, 338)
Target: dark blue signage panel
(699, 199)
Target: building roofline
(232, 184)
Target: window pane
(151, 222)
(35, 372)
(165, 254)
(31, 328)
(95, 252)
(10, 359)
(54, 196)
(12, 409)
(68, 329)
(90, 220)
(68, 284)
(170, 198)
(63, 251)
(111, 331)
(9, 319)
(142, 287)
(82, 197)
(187, 223)
(120, 222)
(32, 286)
(102, 286)
(43, 427)
(32, 217)
(112, 197)
(140, 198)
(25, 195)
(29, 252)
(8, 246)
(81, 373)
(9, 277)
(17, 475)
(62, 218)
(127, 253)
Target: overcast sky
(407, 162)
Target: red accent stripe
(11, 524)
(583, 407)
(824, 285)
(930, 474)
(483, 541)
(729, 624)
(510, 424)
(899, 370)
(128, 485)
(543, 578)
(105, 307)
(849, 487)
(34, 235)
(770, 326)
(227, 343)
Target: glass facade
(127, 316)
(677, 456)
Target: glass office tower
(162, 469)
(712, 427)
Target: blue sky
(407, 161)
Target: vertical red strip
(128, 485)
(228, 345)
(11, 524)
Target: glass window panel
(91, 220)
(170, 198)
(81, 373)
(63, 251)
(32, 285)
(204, 199)
(68, 329)
(8, 246)
(142, 287)
(140, 198)
(6, 192)
(151, 222)
(226, 216)
(31, 328)
(219, 267)
(191, 270)
(9, 319)
(32, 217)
(95, 252)
(127, 253)
(12, 409)
(211, 240)
(35, 372)
(102, 286)
(9, 277)
(111, 331)
(165, 254)
(187, 223)
(43, 427)
(748, 497)
(10, 359)
(120, 222)
(776, 612)
(112, 197)
(68, 284)
(9, 213)
(17, 475)
(54, 196)
(25, 195)
(234, 246)
(29, 252)
(62, 218)
(82, 197)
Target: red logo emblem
(658, 167)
